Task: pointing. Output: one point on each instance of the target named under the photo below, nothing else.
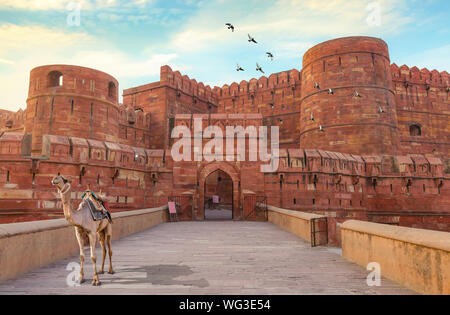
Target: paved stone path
(203, 258)
(219, 214)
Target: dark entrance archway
(231, 172)
(218, 196)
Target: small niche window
(55, 78)
(71, 107)
(112, 91)
(415, 130)
(171, 127)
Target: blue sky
(132, 39)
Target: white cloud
(6, 61)
(38, 5)
(16, 39)
(49, 46)
(436, 58)
(42, 5)
(121, 65)
(287, 20)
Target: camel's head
(59, 181)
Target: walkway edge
(417, 259)
(31, 245)
(298, 223)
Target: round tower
(71, 101)
(348, 102)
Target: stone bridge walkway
(200, 258)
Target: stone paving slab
(203, 258)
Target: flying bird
(251, 39)
(316, 85)
(270, 55)
(258, 68)
(230, 26)
(357, 94)
(239, 68)
(330, 91)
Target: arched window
(112, 90)
(55, 78)
(415, 131)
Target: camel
(84, 224)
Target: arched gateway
(230, 170)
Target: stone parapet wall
(417, 259)
(31, 245)
(298, 223)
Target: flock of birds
(251, 39)
(271, 56)
(331, 91)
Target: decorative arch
(415, 130)
(112, 90)
(231, 171)
(55, 78)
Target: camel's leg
(111, 270)
(102, 244)
(92, 242)
(79, 234)
(108, 234)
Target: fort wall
(11, 121)
(173, 94)
(125, 174)
(370, 162)
(357, 70)
(423, 109)
(276, 98)
(71, 100)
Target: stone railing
(30, 245)
(299, 223)
(417, 259)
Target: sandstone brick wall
(365, 164)
(276, 98)
(422, 99)
(128, 176)
(401, 190)
(351, 124)
(173, 94)
(70, 100)
(10, 121)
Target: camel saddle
(98, 208)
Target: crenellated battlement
(119, 155)
(359, 138)
(414, 75)
(285, 79)
(11, 121)
(320, 161)
(184, 84)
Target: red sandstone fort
(382, 156)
